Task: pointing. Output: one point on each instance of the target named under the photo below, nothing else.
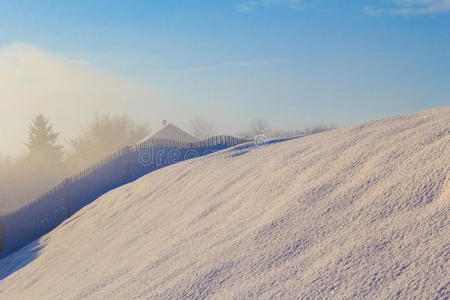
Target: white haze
(67, 91)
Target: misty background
(210, 67)
(46, 162)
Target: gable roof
(173, 133)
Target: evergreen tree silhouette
(42, 141)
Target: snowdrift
(357, 212)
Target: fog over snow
(359, 212)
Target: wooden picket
(125, 154)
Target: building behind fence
(28, 223)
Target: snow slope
(359, 212)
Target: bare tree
(257, 127)
(319, 128)
(103, 136)
(202, 129)
(260, 127)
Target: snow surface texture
(360, 212)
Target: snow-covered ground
(360, 212)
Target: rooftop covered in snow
(173, 133)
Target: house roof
(172, 132)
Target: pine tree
(42, 141)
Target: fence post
(67, 197)
(2, 234)
(128, 163)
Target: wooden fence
(29, 222)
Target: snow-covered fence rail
(24, 225)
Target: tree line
(45, 162)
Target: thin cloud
(249, 6)
(227, 65)
(411, 8)
(78, 62)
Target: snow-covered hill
(359, 212)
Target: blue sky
(293, 62)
